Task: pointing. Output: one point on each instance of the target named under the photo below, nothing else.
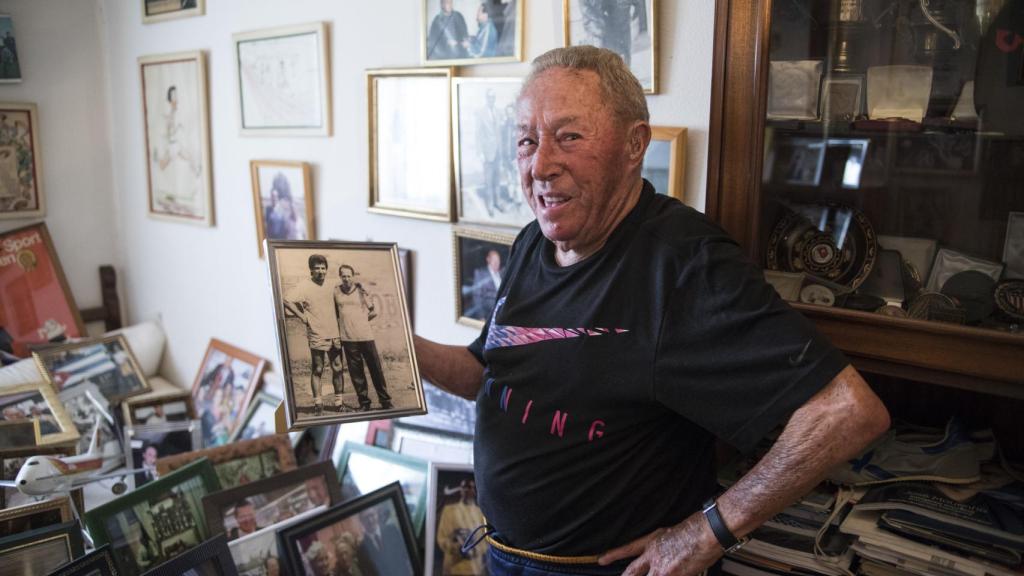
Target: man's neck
(319, 282)
(567, 253)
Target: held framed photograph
(106, 362)
(240, 462)
(176, 119)
(410, 142)
(160, 10)
(99, 562)
(284, 81)
(452, 515)
(175, 407)
(21, 170)
(842, 97)
(226, 382)
(36, 305)
(10, 65)
(283, 197)
(665, 160)
(368, 535)
(630, 29)
(148, 443)
(480, 259)
(259, 420)
(40, 551)
(465, 32)
(331, 304)
(486, 170)
(38, 401)
(363, 469)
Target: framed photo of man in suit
(480, 260)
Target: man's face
(369, 520)
(149, 455)
(572, 158)
(318, 272)
(446, 6)
(317, 491)
(494, 260)
(346, 277)
(246, 517)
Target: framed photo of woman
(283, 197)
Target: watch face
(833, 242)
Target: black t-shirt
(607, 381)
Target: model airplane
(45, 475)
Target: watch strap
(725, 537)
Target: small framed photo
(335, 300)
(842, 97)
(107, 362)
(176, 119)
(257, 554)
(211, 557)
(226, 382)
(35, 515)
(243, 510)
(240, 462)
(665, 161)
(314, 444)
(148, 443)
(40, 551)
(150, 525)
(160, 10)
(367, 535)
(446, 413)
(36, 305)
(630, 29)
(431, 445)
(793, 89)
(11, 462)
(465, 32)
(410, 142)
(259, 420)
(38, 402)
(284, 81)
(21, 171)
(86, 405)
(1013, 246)
(19, 434)
(283, 196)
(480, 259)
(796, 161)
(10, 65)
(486, 170)
(363, 469)
(161, 409)
(99, 562)
(452, 515)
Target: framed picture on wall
(38, 402)
(410, 142)
(284, 81)
(160, 10)
(176, 119)
(283, 196)
(223, 388)
(10, 66)
(471, 32)
(630, 29)
(665, 160)
(480, 259)
(21, 171)
(486, 171)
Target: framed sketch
(35, 515)
(793, 89)
(146, 444)
(1013, 246)
(842, 97)
(21, 170)
(410, 142)
(284, 82)
(257, 554)
(38, 402)
(227, 379)
(150, 410)
(11, 462)
(480, 259)
(283, 197)
(240, 462)
(160, 10)
(176, 119)
(106, 362)
(40, 551)
(368, 535)
(486, 170)
(211, 557)
(19, 434)
(99, 562)
(259, 420)
(86, 405)
(363, 469)
(452, 515)
(630, 29)
(150, 525)
(36, 305)
(463, 32)
(243, 510)
(665, 161)
(10, 65)
(446, 413)
(352, 293)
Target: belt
(566, 560)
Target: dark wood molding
(110, 311)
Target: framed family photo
(10, 65)
(38, 402)
(452, 515)
(226, 382)
(40, 551)
(146, 444)
(239, 462)
(630, 29)
(106, 362)
(160, 10)
(363, 469)
(463, 32)
(99, 562)
(480, 259)
(342, 305)
(259, 419)
(665, 161)
(284, 82)
(176, 119)
(410, 142)
(150, 410)
(21, 170)
(283, 197)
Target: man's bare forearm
(453, 368)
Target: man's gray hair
(622, 91)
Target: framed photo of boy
(630, 29)
(38, 402)
(452, 515)
(284, 81)
(36, 305)
(106, 362)
(160, 10)
(480, 259)
(283, 196)
(176, 120)
(336, 301)
(410, 142)
(21, 170)
(226, 382)
(10, 65)
(465, 32)
(665, 161)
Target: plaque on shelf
(949, 262)
(918, 253)
(833, 242)
(793, 89)
(899, 91)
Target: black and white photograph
(10, 66)
(452, 515)
(480, 261)
(149, 443)
(107, 362)
(38, 402)
(472, 32)
(160, 10)
(345, 356)
(486, 170)
(626, 27)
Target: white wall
(209, 282)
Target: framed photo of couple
(463, 32)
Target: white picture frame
(162, 10)
(633, 24)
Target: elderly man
(631, 332)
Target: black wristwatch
(725, 537)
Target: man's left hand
(681, 550)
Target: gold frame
(199, 10)
(473, 234)
(254, 166)
(259, 364)
(60, 503)
(38, 357)
(375, 204)
(69, 433)
(517, 52)
(652, 29)
(129, 405)
(231, 452)
(33, 423)
(37, 160)
(676, 137)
